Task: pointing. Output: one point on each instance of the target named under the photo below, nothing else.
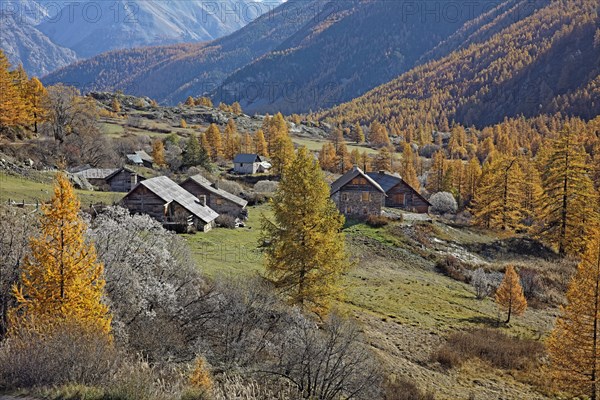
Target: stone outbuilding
(357, 195)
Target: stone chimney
(202, 200)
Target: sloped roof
(348, 176)
(108, 178)
(134, 158)
(169, 191)
(248, 158)
(206, 184)
(388, 181)
(96, 173)
(139, 157)
(144, 156)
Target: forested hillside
(545, 63)
(172, 73)
(341, 54)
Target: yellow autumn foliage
(509, 295)
(61, 280)
(574, 344)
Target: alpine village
(301, 199)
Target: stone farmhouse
(357, 195)
(219, 200)
(360, 195)
(173, 206)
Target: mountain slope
(546, 62)
(91, 27)
(172, 73)
(24, 44)
(350, 48)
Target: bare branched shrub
(230, 186)
(158, 297)
(452, 267)
(268, 187)
(16, 226)
(482, 284)
(493, 346)
(69, 353)
(236, 387)
(443, 203)
(328, 363)
(226, 221)
(403, 389)
(377, 221)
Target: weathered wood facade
(170, 204)
(400, 194)
(357, 195)
(219, 200)
(123, 180)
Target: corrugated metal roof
(206, 184)
(96, 173)
(348, 176)
(248, 158)
(169, 190)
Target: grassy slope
(405, 306)
(22, 189)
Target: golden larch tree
(569, 201)
(213, 137)
(574, 344)
(36, 93)
(231, 141)
(260, 144)
(509, 295)
(327, 157)
(12, 106)
(305, 252)
(500, 197)
(62, 281)
(282, 148)
(158, 153)
(435, 177)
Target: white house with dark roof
(173, 206)
(248, 164)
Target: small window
(365, 210)
(366, 196)
(344, 196)
(219, 201)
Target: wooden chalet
(357, 195)
(219, 200)
(173, 206)
(123, 180)
(400, 194)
